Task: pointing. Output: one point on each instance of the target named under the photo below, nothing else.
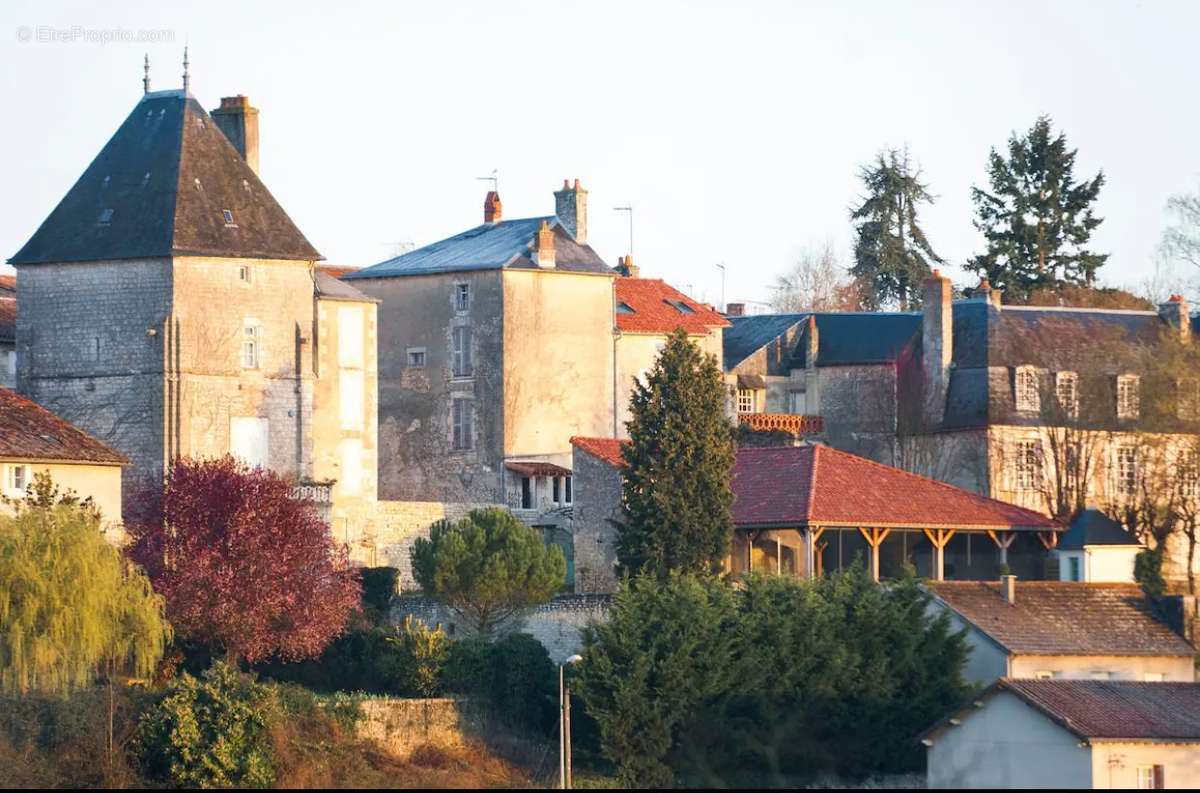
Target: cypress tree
(1036, 219)
(892, 255)
(679, 460)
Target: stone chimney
(937, 344)
(814, 343)
(1175, 313)
(239, 121)
(543, 253)
(627, 268)
(570, 205)
(492, 207)
(1008, 585)
(988, 295)
(735, 309)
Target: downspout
(616, 381)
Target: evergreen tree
(892, 255)
(1036, 219)
(676, 481)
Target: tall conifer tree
(892, 255)
(676, 482)
(1037, 219)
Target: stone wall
(597, 494)
(557, 624)
(401, 725)
(392, 528)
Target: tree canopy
(892, 255)
(1037, 220)
(678, 464)
(243, 565)
(488, 567)
(70, 605)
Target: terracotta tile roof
(607, 449)
(1064, 618)
(336, 270)
(818, 485)
(1116, 709)
(8, 283)
(8, 318)
(651, 301)
(536, 468)
(30, 432)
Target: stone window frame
(413, 351)
(1026, 394)
(1066, 392)
(1187, 463)
(462, 297)
(746, 400)
(1129, 396)
(17, 477)
(251, 343)
(462, 423)
(1126, 470)
(462, 364)
(1027, 466)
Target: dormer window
(1129, 398)
(1066, 392)
(1026, 390)
(105, 217)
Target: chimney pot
(1008, 583)
(238, 119)
(735, 309)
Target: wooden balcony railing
(798, 426)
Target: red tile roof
(1115, 710)
(652, 313)
(607, 449)
(30, 432)
(1063, 618)
(817, 485)
(8, 283)
(336, 270)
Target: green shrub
(514, 677)
(420, 657)
(211, 732)
(379, 586)
(1147, 571)
(468, 669)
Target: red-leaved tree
(244, 566)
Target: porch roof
(816, 485)
(536, 468)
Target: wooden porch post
(874, 538)
(1003, 540)
(778, 555)
(811, 538)
(1049, 539)
(939, 538)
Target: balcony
(797, 426)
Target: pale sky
(734, 129)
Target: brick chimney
(735, 309)
(1175, 313)
(1008, 585)
(570, 205)
(543, 254)
(937, 344)
(239, 121)
(492, 207)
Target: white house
(1069, 734)
(1097, 549)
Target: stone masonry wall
(394, 526)
(597, 493)
(401, 725)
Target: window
(250, 345)
(526, 493)
(1028, 398)
(1128, 396)
(416, 357)
(745, 400)
(1073, 569)
(1028, 465)
(624, 308)
(462, 298)
(1153, 677)
(556, 489)
(1127, 470)
(1189, 472)
(1043, 675)
(16, 479)
(229, 224)
(461, 420)
(1066, 392)
(246, 274)
(461, 356)
(797, 403)
(568, 495)
(680, 306)
(105, 217)
(1151, 777)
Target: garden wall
(401, 725)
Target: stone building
(170, 307)
(8, 331)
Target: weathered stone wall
(391, 527)
(401, 725)
(858, 405)
(417, 461)
(597, 503)
(557, 624)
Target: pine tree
(892, 255)
(679, 460)
(1036, 219)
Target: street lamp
(564, 724)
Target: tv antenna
(628, 209)
(494, 179)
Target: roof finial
(187, 78)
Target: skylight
(623, 308)
(681, 307)
(228, 218)
(105, 217)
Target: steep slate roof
(607, 449)
(1113, 710)
(860, 337)
(491, 246)
(1093, 527)
(1063, 618)
(652, 311)
(329, 287)
(30, 432)
(146, 175)
(821, 486)
(748, 334)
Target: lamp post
(564, 724)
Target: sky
(735, 130)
